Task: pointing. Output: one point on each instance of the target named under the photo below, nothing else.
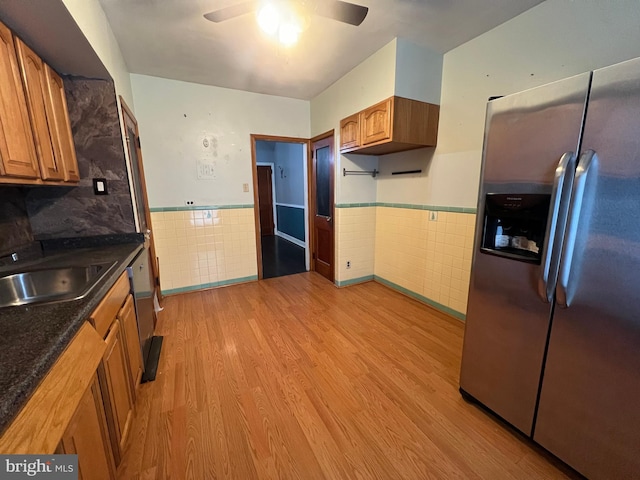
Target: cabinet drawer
(108, 309)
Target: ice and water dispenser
(515, 225)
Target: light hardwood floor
(293, 378)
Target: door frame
(273, 192)
(256, 206)
(312, 198)
(127, 113)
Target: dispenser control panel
(515, 225)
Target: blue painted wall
(291, 221)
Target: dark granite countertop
(32, 337)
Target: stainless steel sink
(50, 285)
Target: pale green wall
(368, 83)
(553, 40)
(176, 118)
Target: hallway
(281, 257)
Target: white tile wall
(430, 258)
(356, 231)
(200, 247)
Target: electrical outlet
(189, 203)
(433, 216)
(348, 263)
(245, 187)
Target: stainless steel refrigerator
(552, 337)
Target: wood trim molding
(128, 116)
(322, 136)
(254, 173)
(312, 196)
(41, 423)
(256, 203)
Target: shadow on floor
(281, 257)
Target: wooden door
(60, 126)
(88, 437)
(17, 150)
(134, 149)
(265, 200)
(322, 187)
(115, 383)
(127, 317)
(35, 84)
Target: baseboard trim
(354, 281)
(438, 306)
(298, 242)
(206, 286)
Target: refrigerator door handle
(556, 223)
(563, 291)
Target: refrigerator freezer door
(507, 322)
(589, 412)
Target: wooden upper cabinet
(17, 149)
(393, 125)
(350, 132)
(35, 84)
(375, 122)
(61, 126)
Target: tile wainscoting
(395, 244)
(355, 242)
(427, 259)
(203, 247)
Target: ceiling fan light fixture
(289, 33)
(268, 17)
(281, 21)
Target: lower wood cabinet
(88, 437)
(85, 404)
(116, 387)
(127, 317)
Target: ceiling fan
(334, 9)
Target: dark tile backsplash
(61, 212)
(15, 230)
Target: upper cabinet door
(350, 132)
(17, 150)
(35, 83)
(60, 125)
(376, 122)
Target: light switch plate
(100, 186)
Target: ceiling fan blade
(342, 11)
(233, 11)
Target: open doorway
(281, 199)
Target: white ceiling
(171, 39)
